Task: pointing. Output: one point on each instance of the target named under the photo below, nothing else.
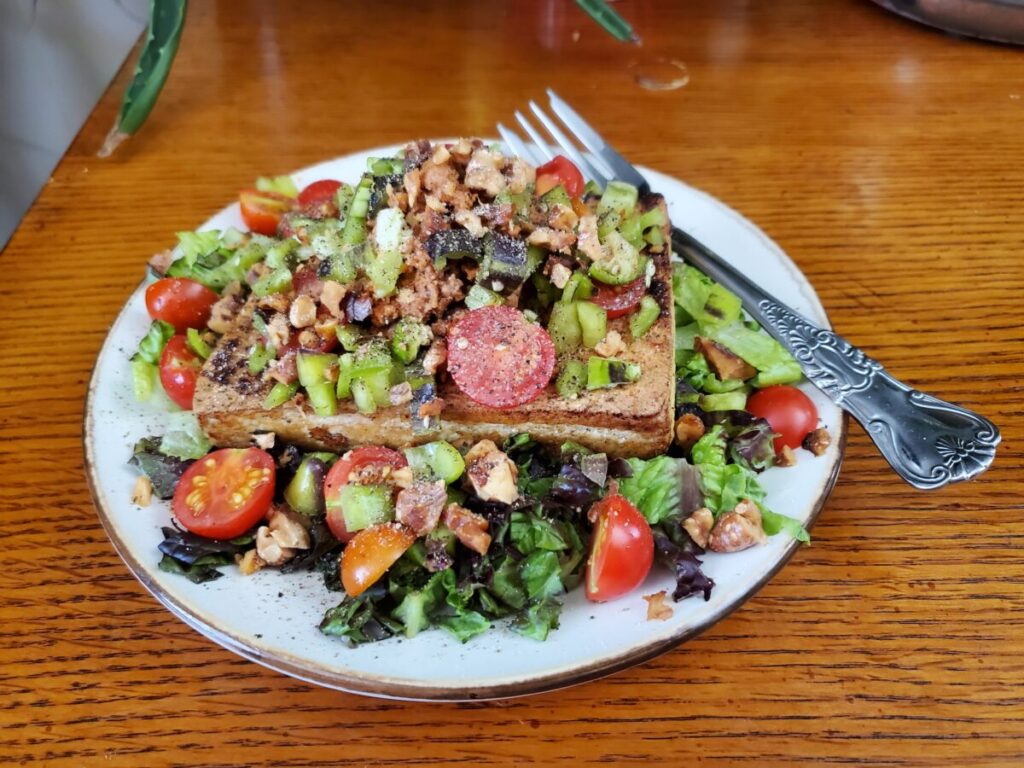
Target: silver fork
(928, 441)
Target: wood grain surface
(886, 158)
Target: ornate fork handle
(928, 441)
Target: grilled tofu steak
(630, 420)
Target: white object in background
(56, 59)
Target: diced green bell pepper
(407, 338)
(645, 317)
(605, 372)
(280, 394)
(571, 380)
(438, 460)
(593, 323)
(365, 505)
(564, 327)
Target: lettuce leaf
(654, 488)
(185, 440)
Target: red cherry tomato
(225, 493)
(619, 300)
(181, 302)
(262, 211)
(370, 553)
(560, 170)
(499, 358)
(179, 371)
(318, 193)
(789, 411)
(367, 456)
(621, 549)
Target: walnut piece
(699, 525)
(249, 563)
(689, 429)
(468, 527)
(818, 441)
(264, 440)
(331, 297)
(737, 530)
(611, 345)
(785, 457)
(142, 493)
(302, 313)
(492, 473)
(420, 506)
(657, 608)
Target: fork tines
(539, 150)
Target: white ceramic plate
(272, 618)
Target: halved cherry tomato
(621, 549)
(499, 358)
(182, 302)
(225, 493)
(619, 300)
(353, 462)
(262, 211)
(179, 371)
(560, 170)
(318, 193)
(370, 553)
(789, 411)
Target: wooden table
(887, 159)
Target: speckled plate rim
(375, 686)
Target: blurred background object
(998, 20)
(56, 59)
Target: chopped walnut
(699, 525)
(287, 529)
(483, 172)
(249, 563)
(161, 261)
(441, 155)
(302, 313)
(142, 493)
(560, 275)
(402, 477)
(419, 506)
(737, 530)
(552, 239)
(818, 441)
(276, 302)
(471, 222)
(278, 332)
(277, 542)
(657, 608)
(225, 309)
(587, 240)
(492, 473)
(468, 527)
(264, 440)
(562, 217)
(611, 345)
(519, 174)
(786, 457)
(400, 394)
(435, 356)
(332, 296)
(689, 429)
(268, 550)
